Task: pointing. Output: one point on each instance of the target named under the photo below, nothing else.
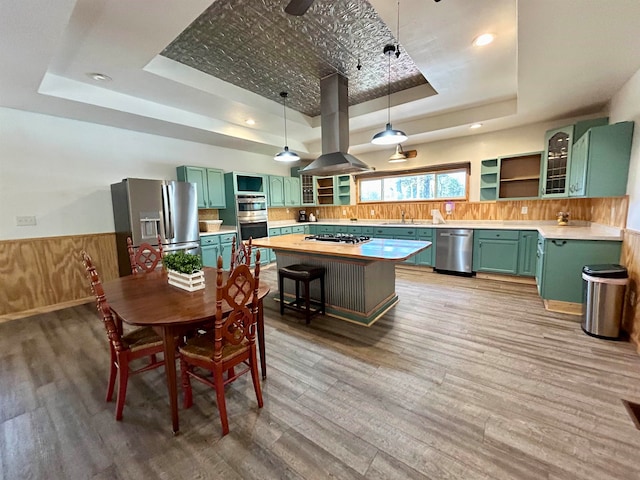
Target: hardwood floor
(464, 378)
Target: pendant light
(399, 156)
(286, 155)
(389, 136)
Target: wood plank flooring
(465, 378)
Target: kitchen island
(360, 278)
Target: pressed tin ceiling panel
(255, 45)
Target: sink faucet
(402, 213)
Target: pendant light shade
(399, 156)
(390, 136)
(286, 155)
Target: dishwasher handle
(447, 234)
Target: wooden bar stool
(305, 274)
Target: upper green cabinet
(600, 161)
(489, 171)
(292, 192)
(555, 162)
(342, 190)
(209, 185)
(284, 191)
(276, 191)
(246, 183)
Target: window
(406, 186)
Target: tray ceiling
(255, 45)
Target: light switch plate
(524, 210)
(26, 221)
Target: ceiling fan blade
(298, 7)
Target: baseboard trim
(49, 308)
(506, 278)
(559, 306)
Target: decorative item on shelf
(286, 155)
(184, 270)
(563, 218)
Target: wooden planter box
(190, 282)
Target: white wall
(625, 105)
(60, 170)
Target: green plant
(182, 262)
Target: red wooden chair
(241, 254)
(145, 258)
(139, 343)
(232, 343)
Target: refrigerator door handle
(166, 212)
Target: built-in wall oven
(251, 214)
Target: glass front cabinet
(556, 162)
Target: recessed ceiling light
(250, 121)
(484, 39)
(476, 125)
(100, 77)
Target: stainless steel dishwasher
(454, 249)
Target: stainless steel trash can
(603, 298)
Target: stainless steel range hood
(334, 112)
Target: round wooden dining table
(148, 300)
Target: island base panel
(356, 290)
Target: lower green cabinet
(527, 248)
(561, 263)
(212, 246)
(425, 257)
(496, 251)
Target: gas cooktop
(339, 238)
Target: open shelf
(520, 176)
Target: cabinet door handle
(559, 243)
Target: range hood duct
(334, 112)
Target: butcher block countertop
(375, 249)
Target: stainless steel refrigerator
(144, 209)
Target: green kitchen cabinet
(210, 248)
(276, 191)
(527, 248)
(555, 166)
(245, 183)
(600, 161)
(425, 257)
(215, 245)
(292, 192)
(496, 251)
(403, 233)
(561, 262)
(489, 171)
(342, 190)
(210, 187)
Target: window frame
(435, 170)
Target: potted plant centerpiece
(184, 270)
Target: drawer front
(425, 233)
(354, 230)
(386, 231)
(342, 228)
(297, 229)
(286, 230)
(209, 240)
(367, 230)
(274, 232)
(227, 237)
(498, 234)
(325, 229)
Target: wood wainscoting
(631, 260)
(40, 273)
